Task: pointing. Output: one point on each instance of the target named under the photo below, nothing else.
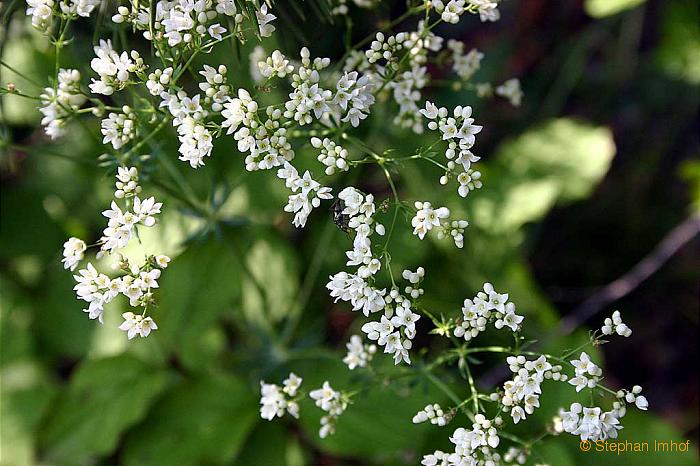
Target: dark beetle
(341, 220)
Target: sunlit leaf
(602, 8)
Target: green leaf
(24, 398)
(273, 263)
(188, 307)
(603, 8)
(287, 451)
(202, 421)
(369, 428)
(559, 161)
(104, 398)
(679, 50)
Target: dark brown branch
(672, 242)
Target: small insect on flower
(341, 220)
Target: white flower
(275, 65)
(73, 252)
(333, 156)
(162, 261)
(118, 128)
(359, 354)
(405, 317)
(307, 193)
(488, 9)
(587, 373)
(57, 104)
(465, 65)
(41, 12)
(275, 401)
(135, 324)
(511, 91)
(330, 401)
(427, 218)
(615, 325)
(291, 384)
(433, 413)
(264, 19)
(127, 183)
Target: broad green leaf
(377, 425)
(24, 398)
(103, 399)
(273, 264)
(196, 289)
(559, 161)
(201, 421)
(603, 8)
(679, 50)
(287, 450)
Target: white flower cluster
(414, 278)
(460, 131)
(266, 142)
(427, 218)
(634, 396)
(307, 193)
(333, 156)
(406, 86)
(354, 96)
(73, 252)
(331, 402)
(158, 80)
(511, 90)
(180, 22)
(97, 289)
(264, 19)
(433, 413)
(521, 395)
(136, 324)
(487, 9)
(127, 183)
(487, 306)
(276, 400)
(196, 141)
(516, 455)
(396, 328)
(215, 88)
(276, 65)
(42, 11)
(119, 128)
(354, 288)
(472, 447)
(308, 98)
(340, 7)
(113, 68)
(587, 373)
(122, 223)
(83, 8)
(615, 324)
(359, 353)
(58, 103)
(591, 423)
(464, 64)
